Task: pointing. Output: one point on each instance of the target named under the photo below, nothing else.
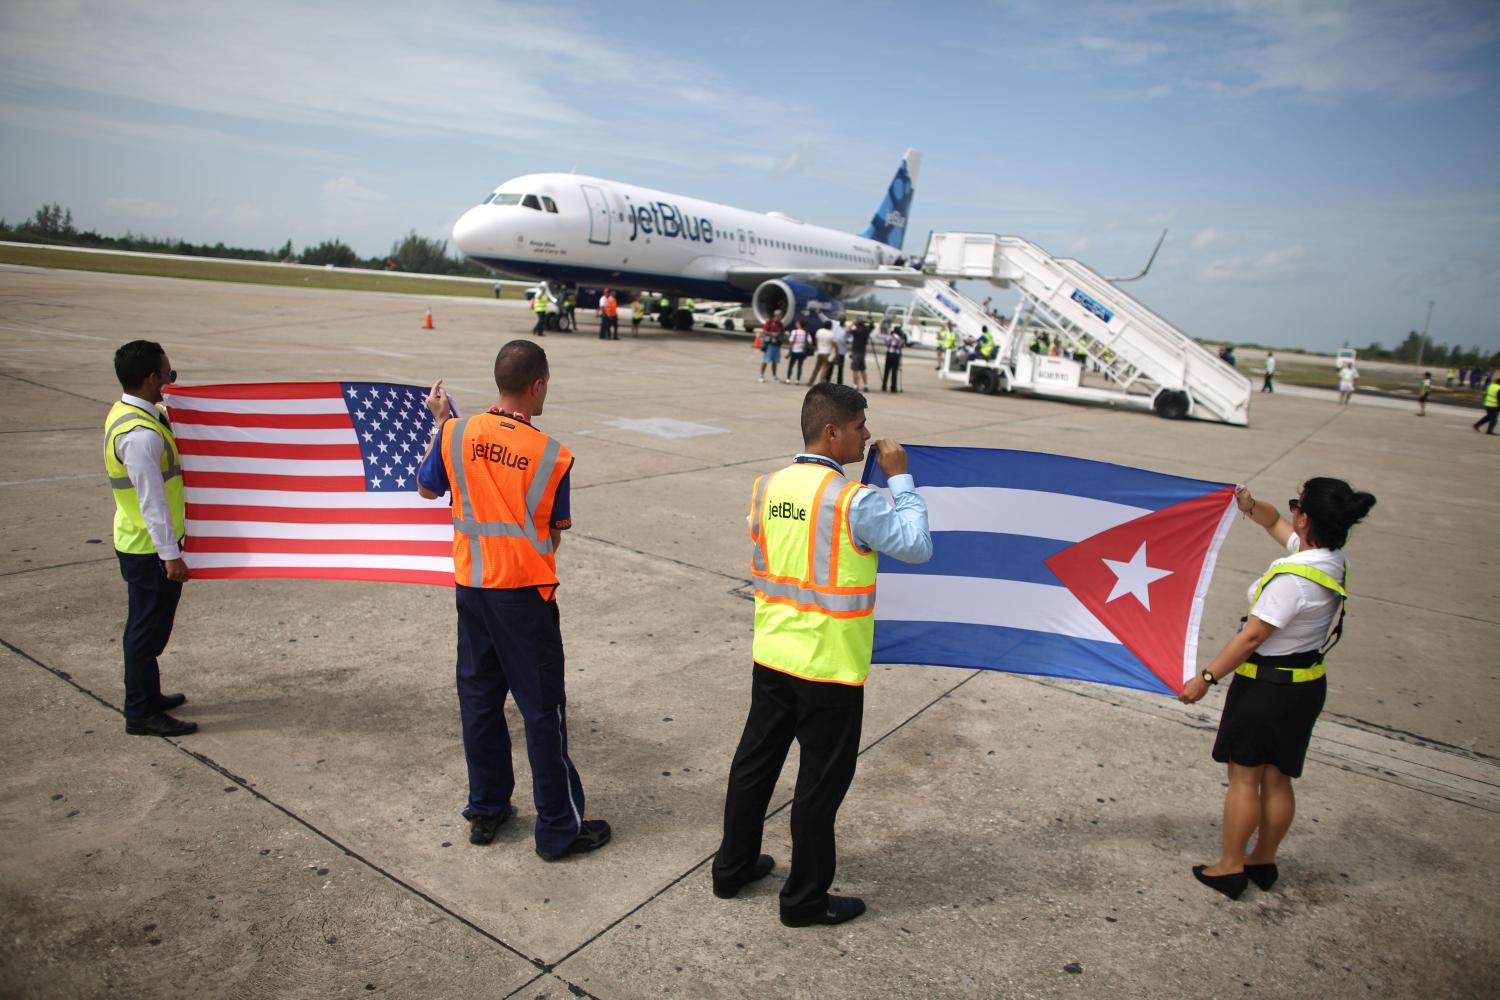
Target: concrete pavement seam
(348, 852)
(53, 388)
(40, 569)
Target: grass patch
(211, 269)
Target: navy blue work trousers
(825, 719)
(148, 625)
(510, 642)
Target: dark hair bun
(1357, 507)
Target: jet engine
(795, 300)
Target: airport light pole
(1422, 344)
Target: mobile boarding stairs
(1139, 359)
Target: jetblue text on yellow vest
(814, 586)
(1322, 579)
(131, 535)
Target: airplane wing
(749, 277)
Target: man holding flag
(814, 539)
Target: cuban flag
(1043, 564)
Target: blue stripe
(1030, 470)
(1012, 650)
(600, 277)
(981, 553)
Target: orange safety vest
(611, 307)
(504, 474)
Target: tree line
(1417, 349)
(53, 224)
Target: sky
(1326, 168)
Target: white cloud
(138, 209)
(1205, 238)
(347, 189)
(1271, 265)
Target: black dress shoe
(838, 910)
(1230, 885)
(1264, 876)
(482, 829)
(167, 702)
(160, 724)
(729, 888)
(594, 834)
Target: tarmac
(1013, 836)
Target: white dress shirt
(140, 451)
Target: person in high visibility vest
(813, 541)
(539, 306)
(609, 316)
(637, 313)
(985, 347)
(509, 483)
(1426, 391)
(1277, 658)
(145, 474)
(570, 309)
(945, 342)
(1491, 407)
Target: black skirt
(1265, 723)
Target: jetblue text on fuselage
(665, 219)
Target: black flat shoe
(729, 888)
(160, 724)
(594, 834)
(167, 702)
(1264, 876)
(1229, 885)
(838, 910)
(482, 829)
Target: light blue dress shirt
(899, 530)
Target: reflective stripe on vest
(814, 586)
(531, 564)
(1298, 675)
(131, 535)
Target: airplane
(569, 230)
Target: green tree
(421, 255)
(51, 220)
(335, 252)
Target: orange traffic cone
(427, 321)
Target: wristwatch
(1209, 678)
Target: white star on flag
(1134, 577)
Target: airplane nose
(470, 230)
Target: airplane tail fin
(889, 224)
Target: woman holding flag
(1296, 615)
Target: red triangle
(1176, 539)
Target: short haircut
(137, 361)
(519, 364)
(827, 403)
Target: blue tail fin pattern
(889, 224)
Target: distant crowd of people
(832, 345)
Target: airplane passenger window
(530, 201)
(549, 204)
(507, 199)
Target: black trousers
(540, 329)
(825, 720)
(1266, 386)
(148, 625)
(795, 361)
(510, 643)
(1491, 413)
(891, 372)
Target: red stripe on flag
(259, 481)
(285, 421)
(262, 390)
(256, 449)
(435, 514)
(324, 573)
(320, 546)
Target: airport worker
(608, 313)
(1267, 385)
(498, 286)
(637, 313)
(511, 505)
(1426, 391)
(145, 473)
(539, 306)
(895, 343)
(1296, 616)
(771, 336)
(570, 309)
(1463, 375)
(798, 341)
(1491, 407)
(1474, 377)
(814, 537)
(944, 343)
(1448, 383)
(1348, 374)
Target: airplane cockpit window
(530, 201)
(549, 204)
(488, 198)
(507, 199)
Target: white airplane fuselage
(606, 233)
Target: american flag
(309, 479)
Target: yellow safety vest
(814, 586)
(1312, 671)
(539, 302)
(987, 346)
(1492, 395)
(131, 535)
